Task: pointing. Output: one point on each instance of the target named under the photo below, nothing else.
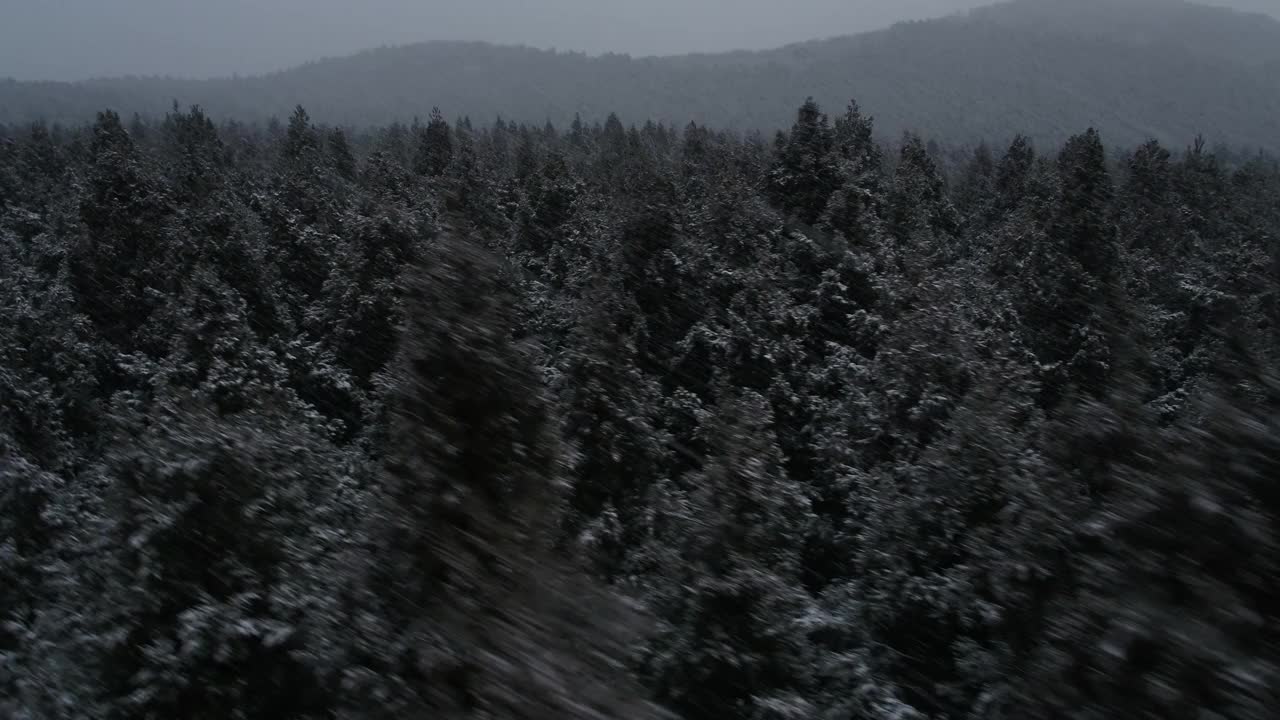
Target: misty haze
(82, 39)
(700, 360)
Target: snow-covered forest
(464, 420)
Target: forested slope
(506, 421)
(1135, 69)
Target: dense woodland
(1133, 69)
(597, 421)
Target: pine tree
(956, 548)
(648, 263)
(361, 310)
(619, 454)
(344, 162)
(120, 269)
(976, 190)
(39, 164)
(1072, 304)
(1173, 614)
(473, 186)
(199, 160)
(1012, 174)
(213, 520)
(733, 643)
(918, 201)
(804, 173)
(854, 210)
(548, 209)
(301, 140)
(1083, 226)
(212, 348)
(481, 618)
(435, 146)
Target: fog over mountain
(78, 39)
(1134, 69)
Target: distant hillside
(1136, 69)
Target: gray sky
(75, 39)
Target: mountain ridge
(1137, 69)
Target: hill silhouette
(1135, 69)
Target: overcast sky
(74, 39)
